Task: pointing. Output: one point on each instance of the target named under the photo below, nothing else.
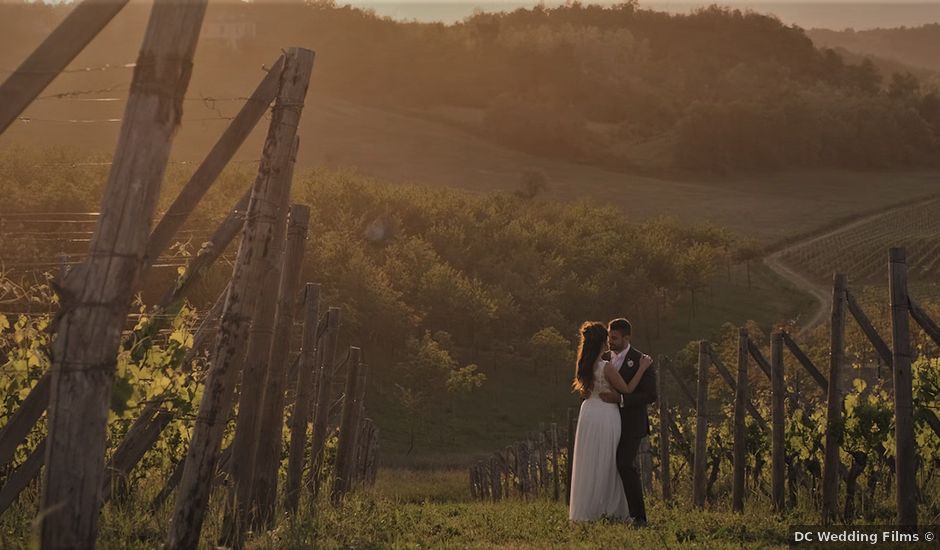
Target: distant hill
(624, 88)
(914, 46)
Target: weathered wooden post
(740, 433)
(78, 28)
(301, 414)
(253, 258)
(555, 472)
(347, 430)
(831, 464)
(270, 425)
(322, 411)
(543, 463)
(243, 509)
(96, 296)
(778, 444)
(905, 449)
(701, 427)
(664, 470)
(569, 458)
(211, 167)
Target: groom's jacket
(634, 419)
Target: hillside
(914, 46)
(626, 88)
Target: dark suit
(635, 425)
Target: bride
(596, 489)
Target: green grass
(409, 509)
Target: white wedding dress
(596, 489)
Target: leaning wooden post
(831, 464)
(23, 420)
(778, 395)
(555, 478)
(322, 411)
(208, 171)
(569, 459)
(242, 508)
(301, 414)
(701, 427)
(254, 256)
(82, 24)
(97, 295)
(347, 430)
(740, 432)
(664, 474)
(905, 449)
(270, 425)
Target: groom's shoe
(638, 523)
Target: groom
(635, 423)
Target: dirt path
(822, 293)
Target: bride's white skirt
(596, 489)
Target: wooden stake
(210, 168)
(243, 508)
(324, 384)
(867, 328)
(807, 364)
(905, 448)
(749, 407)
(778, 443)
(572, 426)
(78, 28)
(740, 430)
(24, 419)
(97, 295)
(701, 427)
(344, 447)
(270, 425)
(664, 470)
(555, 471)
(254, 255)
(831, 465)
(301, 415)
(19, 479)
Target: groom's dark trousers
(634, 426)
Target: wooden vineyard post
(81, 25)
(208, 171)
(301, 413)
(543, 463)
(778, 444)
(253, 256)
(243, 508)
(24, 419)
(347, 430)
(905, 448)
(831, 464)
(555, 480)
(322, 411)
(96, 296)
(701, 427)
(357, 434)
(740, 432)
(664, 474)
(569, 458)
(270, 425)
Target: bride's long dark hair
(593, 338)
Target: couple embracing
(616, 382)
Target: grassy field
(432, 509)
